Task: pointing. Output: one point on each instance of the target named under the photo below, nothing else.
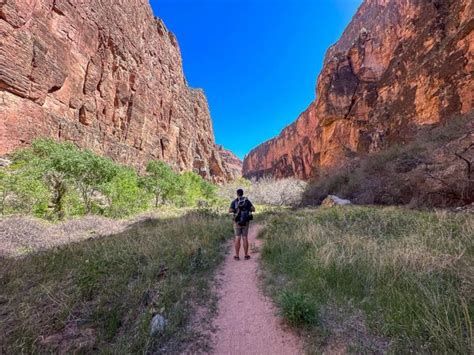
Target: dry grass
(411, 273)
(21, 235)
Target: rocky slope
(399, 65)
(107, 75)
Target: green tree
(6, 188)
(193, 188)
(161, 181)
(89, 172)
(124, 194)
(64, 164)
(47, 158)
(23, 190)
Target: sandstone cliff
(107, 75)
(231, 161)
(399, 65)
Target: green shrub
(124, 194)
(184, 190)
(297, 308)
(82, 168)
(54, 180)
(193, 189)
(161, 181)
(23, 190)
(62, 167)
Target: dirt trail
(247, 322)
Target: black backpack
(243, 214)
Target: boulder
(157, 325)
(333, 200)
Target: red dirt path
(247, 322)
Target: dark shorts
(241, 231)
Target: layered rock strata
(106, 75)
(399, 65)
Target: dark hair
(240, 192)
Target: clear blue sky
(257, 60)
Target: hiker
(242, 209)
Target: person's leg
(245, 232)
(237, 234)
(246, 245)
(237, 245)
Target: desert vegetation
(57, 180)
(103, 293)
(267, 191)
(434, 169)
(376, 279)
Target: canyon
(399, 66)
(108, 76)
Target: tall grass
(410, 272)
(102, 294)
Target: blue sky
(257, 60)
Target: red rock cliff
(399, 65)
(107, 75)
(233, 163)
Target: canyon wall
(107, 75)
(399, 65)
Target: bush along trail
(53, 180)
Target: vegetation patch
(409, 273)
(434, 169)
(267, 191)
(103, 293)
(297, 308)
(54, 181)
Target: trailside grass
(101, 294)
(410, 273)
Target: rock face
(231, 161)
(106, 75)
(399, 65)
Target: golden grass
(411, 272)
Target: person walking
(242, 210)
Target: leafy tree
(63, 164)
(4, 189)
(58, 179)
(193, 189)
(89, 172)
(161, 181)
(124, 194)
(23, 190)
(47, 157)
